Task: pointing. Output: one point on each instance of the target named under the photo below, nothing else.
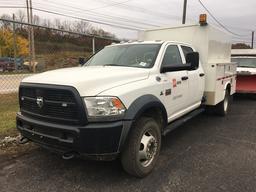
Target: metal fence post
(93, 45)
(29, 37)
(32, 37)
(14, 43)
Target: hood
(246, 71)
(92, 80)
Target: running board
(175, 124)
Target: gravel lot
(208, 153)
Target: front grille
(58, 104)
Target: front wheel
(142, 149)
(222, 107)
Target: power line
(217, 21)
(109, 5)
(129, 21)
(59, 30)
(89, 20)
(130, 27)
(128, 7)
(143, 10)
(10, 7)
(104, 15)
(98, 14)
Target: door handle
(184, 78)
(201, 74)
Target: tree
(36, 20)
(7, 46)
(20, 16)
(6, 24)
(82, 27)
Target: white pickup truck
(129, 95)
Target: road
(208, 154)
(10, 83)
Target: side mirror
(81, 60)
(193, 59)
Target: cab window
(172, 56)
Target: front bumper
(94, 139)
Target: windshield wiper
(113, 64)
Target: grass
(8, 109)
(15, 73)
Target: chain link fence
(53, 49)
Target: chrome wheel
(143, 147)
(148, 149)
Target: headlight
(104, 106)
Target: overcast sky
(237, 15)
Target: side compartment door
(175, 82)
(196, 80)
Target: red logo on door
(174, 83)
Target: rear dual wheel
(223, 107)
(142, 149)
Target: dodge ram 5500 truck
(127, 96)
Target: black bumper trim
(92, 139)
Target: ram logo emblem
(40, 102)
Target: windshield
(139, 55)
(245, 62)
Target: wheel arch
(147, 105)
(228, 86)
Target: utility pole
(184, 12)
(252, 45)
(14, 43)
(29, 37)
(32, 36)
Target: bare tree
(20, 16)
(6, 24)
(36, 20)
(57, 23)
(66, 25)
(82, 27)
(47, 23)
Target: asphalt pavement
(208, 154)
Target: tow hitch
(23, 140)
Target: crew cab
(129, 95)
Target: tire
(223, 107)
(135, 159)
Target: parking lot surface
(208, 153)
